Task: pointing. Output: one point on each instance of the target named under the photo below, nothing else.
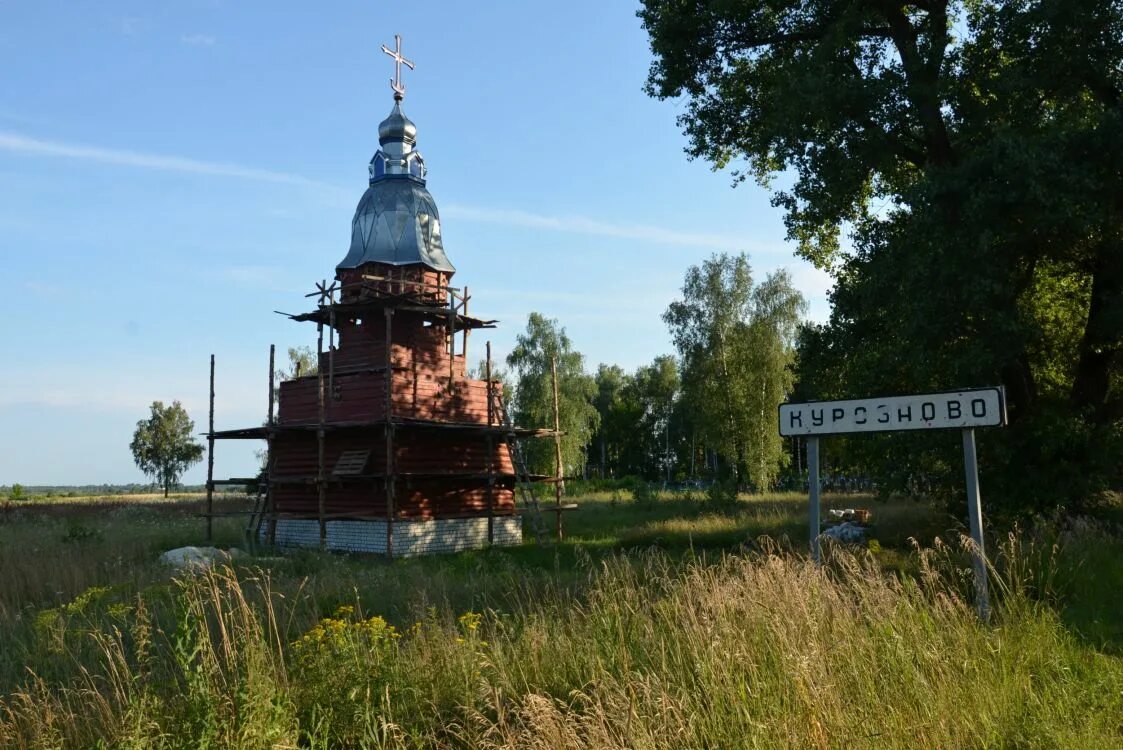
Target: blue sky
(171, 173)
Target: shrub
(721, 496)
(78, 533)
(643, 495)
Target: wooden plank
(210, 456)
(320, 435)
(389, 429)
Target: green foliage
(346, 663)
(655, 390)
(544, 342)
(163, 446)
(612, 442)
(971, 149)
(721, 496)
(78, 533)
(642, 494)
(725, 645)
(302, 364)
(736, 345)
(643, 425)
(16, 493)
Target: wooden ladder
(260, 504)
(523, 484)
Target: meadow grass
(665, 625)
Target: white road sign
(983, 407)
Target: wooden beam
(559, 485)
(451, 338)
(467, 330)
(490, 450)
(272, 381)
(389, 432)
(267, 508)
(425, 284)
(210, 458)
(321, 485)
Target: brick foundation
(411, 537)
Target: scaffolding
(441, 305)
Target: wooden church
(390, 446)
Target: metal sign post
(813, 492)
(975, 521)
(964, 410)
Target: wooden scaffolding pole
(467, 329)
(210, 460)
(268, 510)
(451, 337)
(559, 486)
(391, 468)
(331, 343)
(490, 449)
(321, 483)
(272, 381)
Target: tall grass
(753, 650)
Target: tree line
(957, 167)
(709, 410)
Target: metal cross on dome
(396, 53)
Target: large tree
(163, 446)
(654, 391)
(971, 151)
(545, 342)
(645, 426)
(617, 418)
(736, 343)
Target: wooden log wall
(360, 396)
(414, 498)
(423, 284)
(417, 451)
(420, 389)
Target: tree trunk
(1103, 334)
(738, 438)
(603, 456)
(1021, 386)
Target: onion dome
(396, 221)
(397, 127)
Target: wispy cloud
(20, 144)
(584, 225)
(111, 389)
(576, 300)
(198, 40)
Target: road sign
(982, 407)
(964, 410)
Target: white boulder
(199, 558)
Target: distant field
(662, 624)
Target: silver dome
(396, 222)
(397, 127)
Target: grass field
(661, 625)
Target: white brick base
(410, 537)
